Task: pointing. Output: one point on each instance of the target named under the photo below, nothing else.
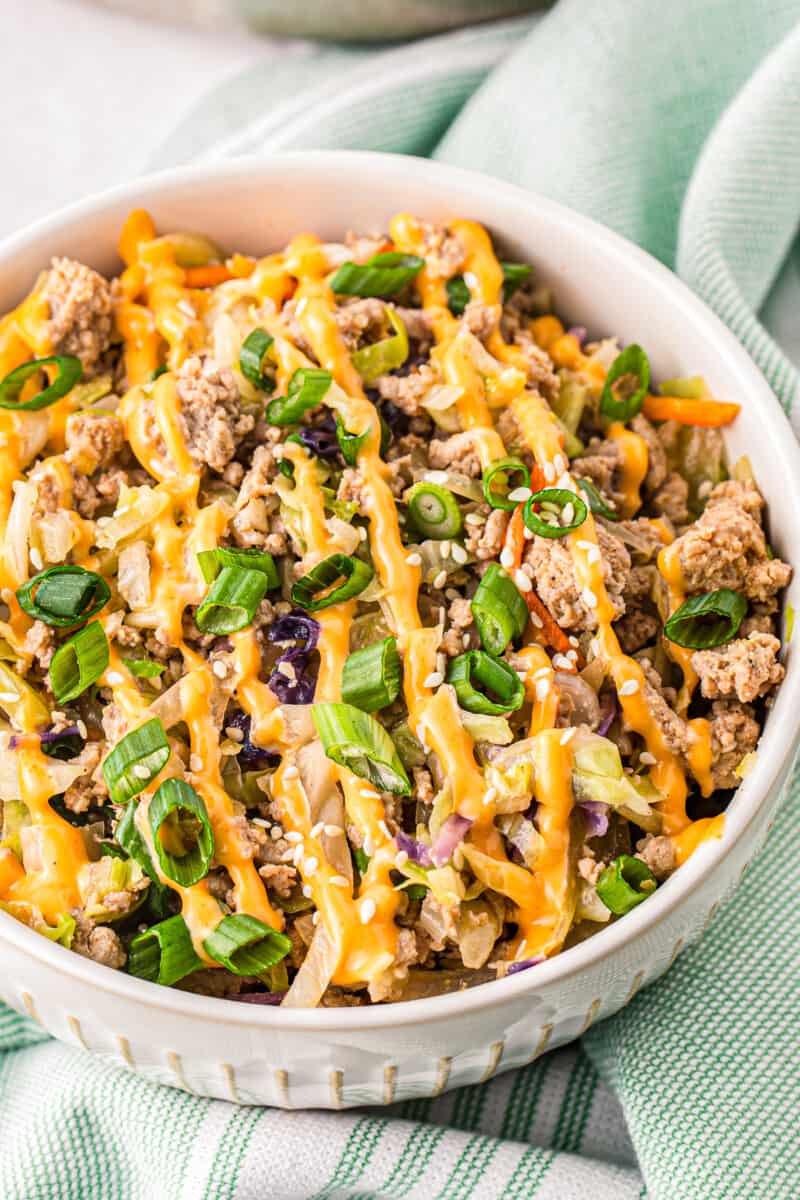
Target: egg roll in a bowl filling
(367, 631)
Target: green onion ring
(499, 610)
(177, 801)
(624, 883)
(63, 596)
(500, 470)
(494, 675)
(371, 676)
(70, 371)
(631, 367)
(434, 510)
(136, 760)
(703, 622)
(79, 662)
(231, 602)
(251, 359)
(548, 500)
(355, 740)
(245, 945)
(332, 581)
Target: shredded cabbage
(62, 932)
(102, 884)
(137, 508)
(598, 775)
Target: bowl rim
(780, 734)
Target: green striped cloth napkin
(679, 125)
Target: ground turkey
(79, 304)
(734, 733)
(457, 453)
(97, 942)
(555, 581)
(93, 440)
(600, 465)
(672, 499)
(406, 391)
(656, 454)
(745, 668)
(725, 548)
(211, 416)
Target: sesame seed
(565, 481)
(522, 581)
(433, 680)
(369, 793)
(287, 856)
(114, 677)
(440, 580)
(435, 476)
(593, 555)
(362, 533)
(573, 641)
(219, 668)
(367, 911)
(236, 735)
(528, 534)
(542, 689)
(310, 865)
(520, 495)
(290, 772)
(302, 305)
(315, 918)
(401, 858)
(489, 796)
(340, 881)
(384, 828)
(629, 688)
(536, 620)
(542, 673)
(276, 833)
(333, 831)
(294, 836)
(445, 548)
(262, 824)
(36, 558)
(368, 846)
(588, 597)
(141, 771)
(307, 891)
(568, 513)
(561, 662)
(567, 735)
(471, 280)
(6, 595)
(414, 560)
(81, 727)
(186, 308)
(506, 558)
(317, 829)
(474, 518)
(647, 759)
(465, 641)
(195, 762)
(549, 472)
(297, 855)
(559, 463)
(458, 554)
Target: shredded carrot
(515, 538)
(708, 413)
(551, 632)
(538, 480)
(210, 276)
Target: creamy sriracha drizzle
(155, 306)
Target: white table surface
(87, 94)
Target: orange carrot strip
(515, 538)
(538, 481)
(708, 413)
(210, 276)
(551, 632)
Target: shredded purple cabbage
(524, 963)
(321, 439)
(449, 838)
(272, 998)
(251, 757)
(58, 739)
(417, 851)
(300, 628)
(596, 815)
(608, 711)
(399, 422)
(580, 332)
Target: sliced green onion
(498, 481)
(164, 953)
(709, 620)
(144, 668)
(626, 384)
(63, 595)
(307, 388)
(332, 581)
(136, 760)
(251, 359)
(231, 601)
(691, 388)
(132, 842)
(371, 676)
(387, 355)
(159, 371)
(79, 662)
(382, 275)
(182, 834)
(625, 883)
(285, 465)
(245, 945)
(494, 675)
(355, 740)
(458, 294)
(514, 275)
(596, 502)
(362, 860)
(69, 372)
(211, 562)
(499, 609)
(434, 510)
(554, 512)
(350, 444)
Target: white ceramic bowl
(339, 1057)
